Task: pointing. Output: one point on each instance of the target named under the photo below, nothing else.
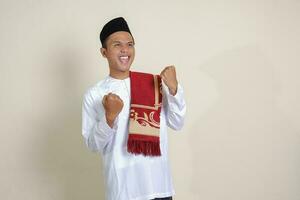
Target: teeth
(124, 59)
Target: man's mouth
(124, 59)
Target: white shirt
(129, 176)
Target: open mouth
(124, 59)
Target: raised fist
(113, 105)
(168, 75)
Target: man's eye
(117, 44)
(131, 44)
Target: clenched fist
(168, 75)
(113, 105)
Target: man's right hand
(113, 105)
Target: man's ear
(103, 52)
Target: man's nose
(124, 48)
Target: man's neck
(119, 75)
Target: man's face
(119, 52)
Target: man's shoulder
(96, 89)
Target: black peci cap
(114, 25)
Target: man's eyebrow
(117, 41)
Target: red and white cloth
(145, 108)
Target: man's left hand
(168, 75)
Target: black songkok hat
(114, 25)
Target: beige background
(238, 62)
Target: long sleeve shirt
(129, 176)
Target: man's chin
(125, 67)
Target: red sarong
(144, 121)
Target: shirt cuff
(104, 128)
(177, 101)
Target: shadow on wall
(241, 132)
(67, 168)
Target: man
(130, 135)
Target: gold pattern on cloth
(146, 125)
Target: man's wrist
(173, 90)
(110, 119)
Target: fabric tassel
(145, 147)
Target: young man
(125, 118)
